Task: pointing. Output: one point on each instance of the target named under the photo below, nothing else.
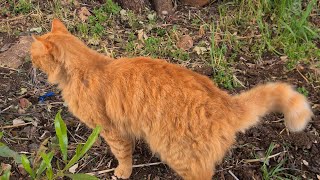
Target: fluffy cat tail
(273, 97)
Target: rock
(185, 42)
(14, 56)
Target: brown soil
(297, 148)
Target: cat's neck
(76, 65)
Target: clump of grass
(100, 18)
(17, 7)
(303, 91)
(37, 168)
(276, 172)
(280, 27)
(222, 72)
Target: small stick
(234, 176)
(4, 67)
(14, 126)
(5, 109)
(262, 159)
(303, 76)
(134, 166)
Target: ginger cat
(182, 115)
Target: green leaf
(1, 134)
(81, 176)
(43, 164)
(61, 131)
(5, 151)
(26, 165)
(92, 138)
(46, 158)
(6, 174)
(78, 149)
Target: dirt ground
(299, 151)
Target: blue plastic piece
(46, 95)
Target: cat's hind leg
(187, 165)
(121, 148)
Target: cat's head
(44, 51)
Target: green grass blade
(26, 166)
(81, 176)
(61, 131)
(46, 158)
(43, 164)
(92, 138)
(1, 134)
(307, 12)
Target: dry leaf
(185, 42)
(17, 122)
(73, 168)
(5, 166)
(201, 31)
(140, 35)
(83, 14)
(199, 50)
(284, 58)
(24, 103)
(23, 91)
(21, 169)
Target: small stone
(185, 42)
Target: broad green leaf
(43, 164)
(26, 165)
(46, 158)
(5, 151)
(6, 174)
(61, 131)
(81, 176)
(91, 139)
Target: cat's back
(160, 71)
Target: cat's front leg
(122, 148)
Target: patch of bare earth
(299, 151)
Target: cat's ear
(46, 45)
(58, 26)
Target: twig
(303, 76)
(262, 159)
(5, 109)
(134, 166)
(14, 126)
(234, 176)
(15, 18)
(4, 67)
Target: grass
(277, 171)
(250, 29)
(283, 27)
(222, 73)
(303, 91)
(41, 166)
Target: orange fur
(183, 117)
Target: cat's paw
(123, 172)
